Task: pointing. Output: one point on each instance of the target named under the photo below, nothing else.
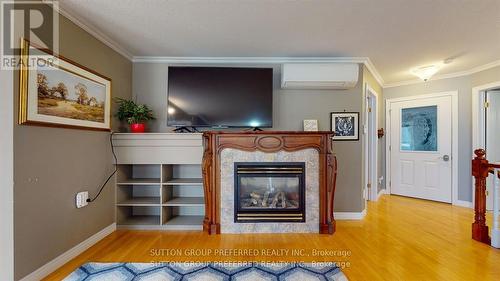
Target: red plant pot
(138, 128)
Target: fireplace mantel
(268, 141)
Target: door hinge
(369, 185)
(487, 193)
(486, 104)
(369, 109)
(390, 183)
(390, 147)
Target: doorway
(371, 144)
(486, 121)
(492, 138)
(421, 144)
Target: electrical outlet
(81, 199)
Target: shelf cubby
(138, 195)
(182, 217)
(138, 215)
(160, 196)
(184, 202)
(186, 222)
(140, 201)
(141, 220)
(184, 181)
(143, 174)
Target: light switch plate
(81, 199)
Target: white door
(420, 148)
(492, 138)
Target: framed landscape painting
(57, 92)
(345, 125)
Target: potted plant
(135, 114)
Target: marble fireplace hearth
(313, 149)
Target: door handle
(445, 158)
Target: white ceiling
(396, 35)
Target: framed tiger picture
(345, 125)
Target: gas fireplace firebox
(269, 192)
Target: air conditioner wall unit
(337, 76)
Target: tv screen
(220, 97)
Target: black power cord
(112, 174)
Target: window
(419, 128)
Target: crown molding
(247, 60)
(95, 33)
(371, 67)
(446, 76)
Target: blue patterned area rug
(207, 271)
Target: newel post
(480, 172)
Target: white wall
(7, 176)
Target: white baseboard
(349, 215)
(65, 257)
(462, 203)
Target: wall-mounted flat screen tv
(220, 97)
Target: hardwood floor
(399, 239)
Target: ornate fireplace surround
(267, 141)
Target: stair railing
(481, 169)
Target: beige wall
(51, 165)
(290, 108)
(463, 85)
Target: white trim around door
(454, 156)
(371, 142)
(479, 120)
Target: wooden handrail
(481, 169)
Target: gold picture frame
(57, 92)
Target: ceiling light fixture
(425, 72)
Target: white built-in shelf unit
(159, 183)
